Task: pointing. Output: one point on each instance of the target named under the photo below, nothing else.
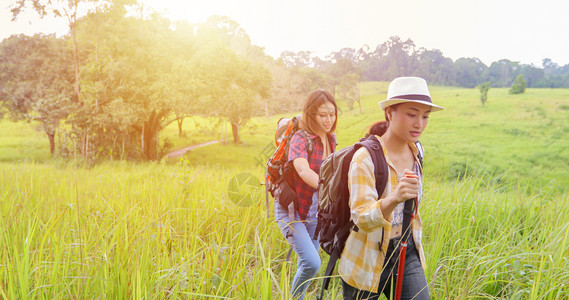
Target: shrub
(484, 87)
(519, 85)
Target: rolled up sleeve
(298, 147)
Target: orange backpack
(278, 176)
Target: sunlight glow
(486, 29)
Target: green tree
(484, 87)
(232, 87)
(184, 95)
(36, 81)
(532, 75)
(502, 72)
(390, 59)
(338, 69)
(348, 90)
(134, 71)
(59, 8)
(345, 53)
(233, 36)
(469, 71)
(69, 9)
(519, 85)
(287, 89)
(314, 79)
(431, 64)
(299, 59)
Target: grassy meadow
(495, 208)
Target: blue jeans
(414, 284)
(303, 243)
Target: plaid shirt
(361, 262)
(298, 148)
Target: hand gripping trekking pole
(407, 211)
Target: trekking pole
(266, 184)
(403, 249)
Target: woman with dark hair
(369, 262)
(309, 146)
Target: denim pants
(414, 284)
(303, 244)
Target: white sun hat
(409, 89)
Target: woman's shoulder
(333, 136)
(301, 140)
(362, 155)
(417, 149)
(300, 136)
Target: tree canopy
(137, 76)
(396, 57)
(36, 81)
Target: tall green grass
(132, 231)
(22, 142)
(160, 231)
(483, 242)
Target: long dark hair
(379, 128)
(310, 111)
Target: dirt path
(180, 152)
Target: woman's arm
(305, 172)
(365, 205)
(298, 153)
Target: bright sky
(519, 30)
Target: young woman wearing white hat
(368, 264)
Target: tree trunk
(235, 130)
(151, 144)
(180, 122)
(51, 138)
(123, 147)
(225, 132)
(142, 146)
(114, 146)
(150, 132)
(359, 98)
(83, 143)
(76, 59)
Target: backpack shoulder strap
(307, 136)
(421, 152)
(381, 171)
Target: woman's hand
(407, 188)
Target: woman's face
(326, 116)
(408, 120)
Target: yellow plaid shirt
(362, 259)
